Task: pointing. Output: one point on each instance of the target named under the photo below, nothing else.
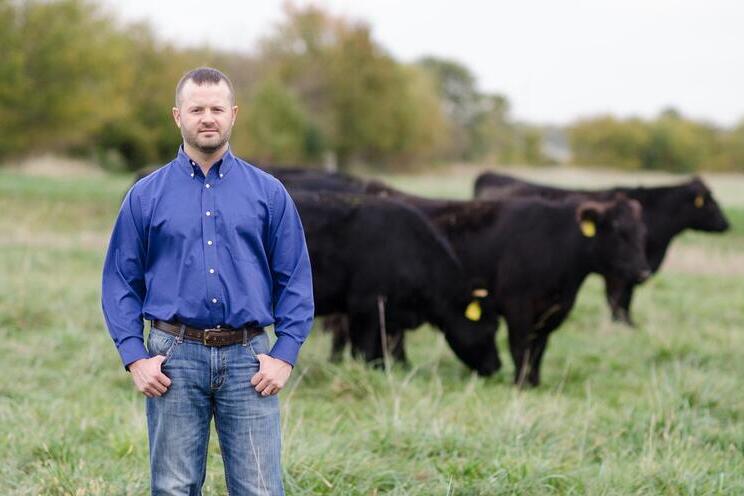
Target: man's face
(205, 115)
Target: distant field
(657, 410)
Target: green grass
(657, 410)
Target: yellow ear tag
(473, 312)
(699, 201)
(588, 228)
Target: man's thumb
(160, 357)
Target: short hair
(201, 76)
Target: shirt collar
(190, 167)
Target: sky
(555, 61)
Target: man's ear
(176, 116)
(235, 114)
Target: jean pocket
(161, 343)
(259, 345)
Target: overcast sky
(554, 60)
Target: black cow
(365, 250)
(535, 254)
(317, 180)
(532, 255)
(667, 211)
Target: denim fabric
(210, 381)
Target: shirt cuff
(285, 349)
(131, 350)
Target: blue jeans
(210, 381)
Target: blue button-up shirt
(227, 249)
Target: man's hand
(148, 377)
(272, 374)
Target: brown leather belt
(210, 337)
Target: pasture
(655, 410)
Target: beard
(204, 144)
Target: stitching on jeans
(177, 341)
(166, 338)
(222, 450)
(250, 345)
(169, 352)
(206, 453)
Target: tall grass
(657, 410)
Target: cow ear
(480, 293)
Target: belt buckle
(206, 336)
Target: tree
(278, 128)
(57, 61)
(357, 96)
(669, 142)
(678, 144)
(609, 142)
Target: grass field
(657, 410)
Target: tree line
(668, 142)
(316, 90)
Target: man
(211, 250)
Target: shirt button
(192, 174)
(211, 271)
(206, 185)
(209, 242)
(214, 300)
(221, 174)
(209, 213)
(218, 326)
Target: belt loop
(245, 336)
(180, 334)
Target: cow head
(700, 209)
(617, 237)
(470, 330)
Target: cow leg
(520, 329)
(397, 348)
(338, 324)
(365, 339)
(537, 349)
(619, 294)
(520, 352)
